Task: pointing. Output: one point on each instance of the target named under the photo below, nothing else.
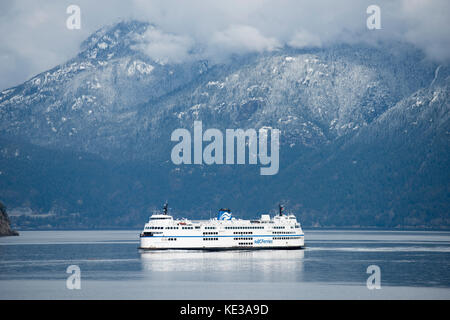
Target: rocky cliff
(5, 228)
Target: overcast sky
(34, 36)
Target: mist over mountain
(364, 135)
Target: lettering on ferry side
(259, 241)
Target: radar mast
(281, 208)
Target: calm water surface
(413, 265)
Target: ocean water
(412, 265)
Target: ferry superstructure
(282, 231)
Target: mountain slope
(364, 135)
(391, 173)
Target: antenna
(281, 208)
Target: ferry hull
(222, 243)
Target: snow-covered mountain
(115, 107)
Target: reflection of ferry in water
(224, 232)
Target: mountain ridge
(333, 105)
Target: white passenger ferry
(224, 232)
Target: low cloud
(428, 27)
(241, 39)
(165, 47)
(304, 39)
